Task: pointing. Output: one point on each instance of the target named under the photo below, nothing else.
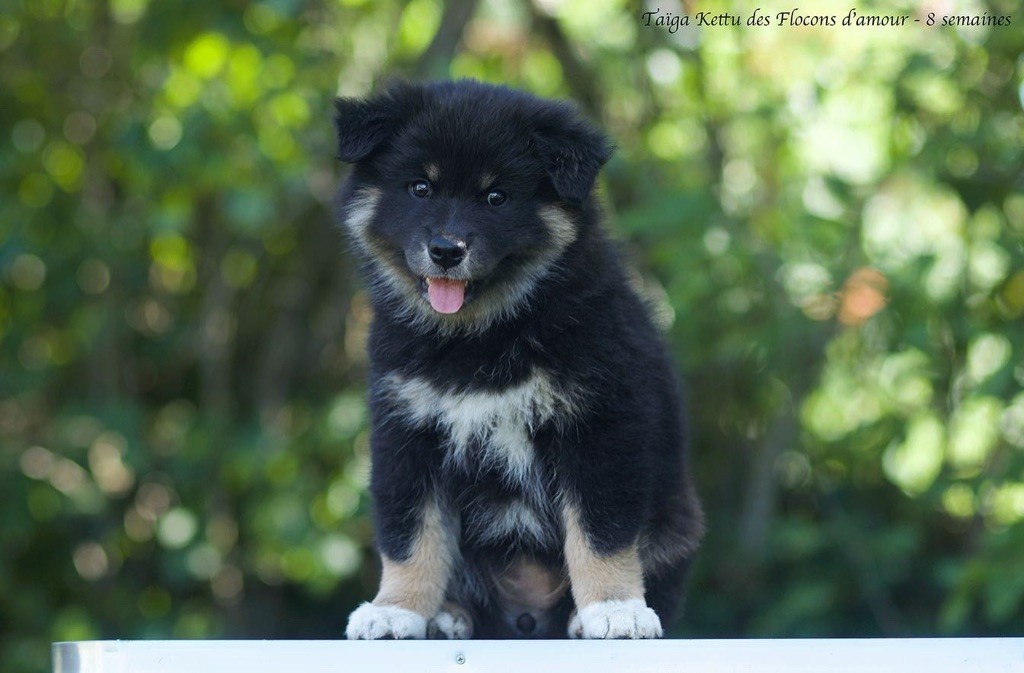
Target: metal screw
(460, 659)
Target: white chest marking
(492, 428)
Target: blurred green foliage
(830, 222)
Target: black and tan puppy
(529, 467)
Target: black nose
(446, 253)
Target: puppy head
(464, 195)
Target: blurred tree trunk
(435, 61)
(215, 319)
(578, 74)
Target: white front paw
(376, 622)
(616, 619)
(451, 623)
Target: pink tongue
(446, 296)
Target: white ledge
(925, 655)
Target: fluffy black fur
(619, 455)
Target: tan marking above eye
(433, 172)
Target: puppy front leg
(411, 589)
(415, 535)
(608, 587)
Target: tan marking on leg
(419, 582)
(595, 577)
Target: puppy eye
(496, 198)
(420, 189)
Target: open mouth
(446, 295)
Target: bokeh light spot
(176, 528)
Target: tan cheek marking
(595, 577)
(419, 582)
(559, 224)
(362, 207)
(361, 210)
(433, 172)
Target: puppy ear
(574, 152)
(363, 125)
